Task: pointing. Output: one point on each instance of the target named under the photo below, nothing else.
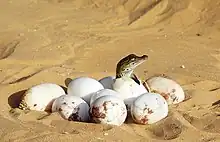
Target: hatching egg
(40, 97)
(108, 110)
(168, 88)
(128, 89)
(84, 87)
(103, 92)
(72, 108)
(149, 108)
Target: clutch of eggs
(149, 108)
(40, 97)
(108, 109)
(168, 88)
(84, 87)
(72, 108)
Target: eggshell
(103, 92)
(128, 90)
(72, 108)
(149, 108)
(40, 97)
(108, 110)
(168, 88)
(107, 82)
(84, 87)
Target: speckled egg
(108, 110)
(103, 92)
(84, 87)
(72, 108)
(128, 90)
(40, 97)
(168, 88)
(149, 108)
(107, 82)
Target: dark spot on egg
(60, 109)
(74, 117)
(96, 113)
(35, 105)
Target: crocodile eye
(127, 69)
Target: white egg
(108, 110)
(168, 88)
(128, 89)
(149, 108)
(84, 87)
(72, 108)
(41, 97)
(107, 82)
(103, 92)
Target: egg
(72, 108)
(128, 89)
(149, 108)
(108, 110)
(103, 92)
(84, 87)
(168, 88)
(40, 97)
(107, 82)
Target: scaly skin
(125, 67)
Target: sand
(52, 40)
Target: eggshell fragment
(108, 110)
(72, 108)
(40, 97)
(107, 82)
(84, 87)
(128, 89)
(103, 92)
(168, 88)
(149, 108)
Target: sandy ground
(51, 40)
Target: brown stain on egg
(96, 113)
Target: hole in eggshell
(35, 105)
(15, 98)
(64, 88)
(67, 81)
